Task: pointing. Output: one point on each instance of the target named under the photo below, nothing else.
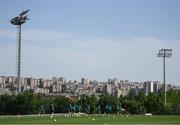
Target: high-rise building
(31, 82)
(55, 88)
(115, 81)
(110, 81)
(119, 92)
(108, 88)
(2, 81)
(127, 89)
(156, 86)
(148, 87)
(62, 79)
(54, 79)
(85, 81)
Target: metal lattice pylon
(18, 21)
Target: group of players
(42, 111)
(78, 108)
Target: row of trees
(28, 103)
(135, 104)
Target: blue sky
(97, 39)
(113, 18)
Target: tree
(61, 104)
(154, 103)
(104, 100)
(93, 104)
(24, 103)
(84, 100)
(5, 100)
(130, 106)
(176, 109)
(29, 103)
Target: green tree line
(29, 103)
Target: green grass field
(91, 119)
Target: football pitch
(90, 119)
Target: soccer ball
(54, 120)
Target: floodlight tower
(18, 21)
(165, 53)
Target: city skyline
(61, 86)
(118, 79)
(92, 39)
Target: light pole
(165, 53)
(18, 21)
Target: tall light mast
(18, 21)
(165, 53)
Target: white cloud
(54, 53)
